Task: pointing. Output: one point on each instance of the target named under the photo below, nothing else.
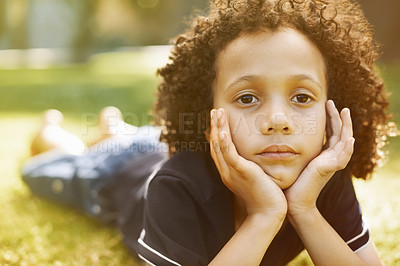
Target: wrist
(272, 218)
(299, 205)
(272, 213)
(302, 215)
(276, 209)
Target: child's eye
(247, 99)
(302, 98)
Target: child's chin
(283, 185)
(283, 181)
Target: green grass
(37, 232)
(77, 89)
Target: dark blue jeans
(78, 180)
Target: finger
(223, 126)
(213, 131)
(336, 150)
(228, 149)
(214, 145)
(339, 156)
(223, 130)
(221, 165)
(213, 135)
(346, 132)
(335, 123)
(339, 147)
(345, 156)
(347, 128)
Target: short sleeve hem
(361, 239)
(152, 256)
(363, 246)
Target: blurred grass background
(35, 231)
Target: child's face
(273, 88)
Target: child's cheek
(242, 133)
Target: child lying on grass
(261, 160)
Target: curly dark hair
(337, 27)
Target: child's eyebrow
(248, 78)
(255, 78)
(301, 77)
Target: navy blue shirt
(188, 215)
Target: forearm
(249, 244)
(322, 242)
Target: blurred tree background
(89, 26)
(85, 27)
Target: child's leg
(51, 136)
(76, 180)
(111, 124)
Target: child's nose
(275, 121)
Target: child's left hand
(302, 195)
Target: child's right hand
(244, 178)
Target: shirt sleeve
(339, 205)
(172, 232)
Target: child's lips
(278, 155)
(278, 152)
